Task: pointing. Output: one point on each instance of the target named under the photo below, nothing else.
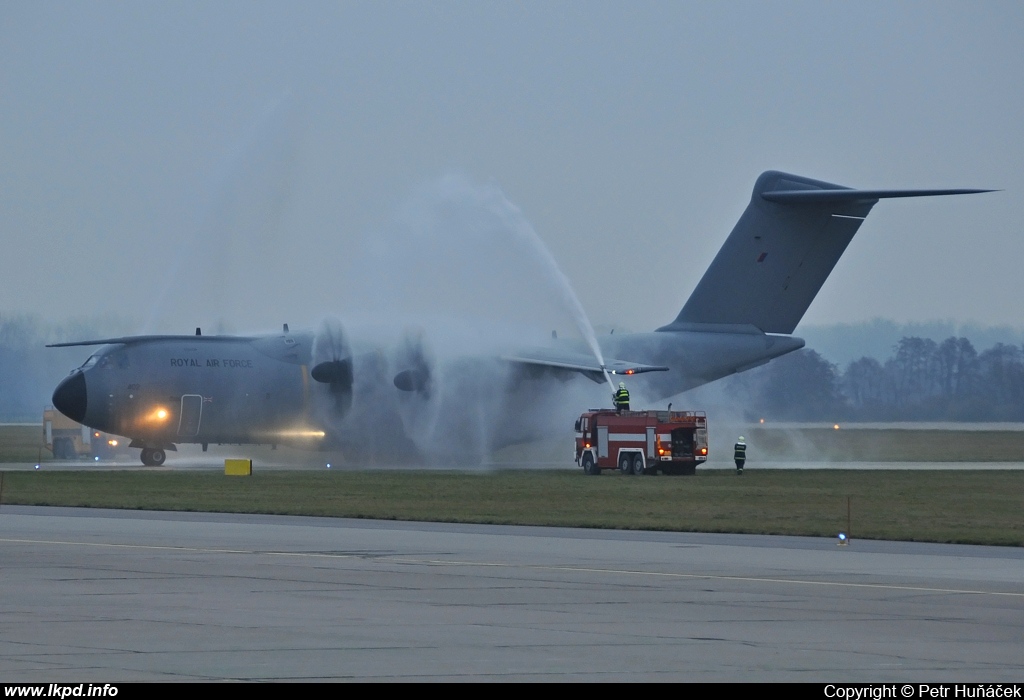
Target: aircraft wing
(130, 339)
(583, 363)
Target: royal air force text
(217, 364)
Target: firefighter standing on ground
(740, 454)
(621, 398)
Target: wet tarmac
(105, 596)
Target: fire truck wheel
(625, 464)
(638, 464)
(589, 467)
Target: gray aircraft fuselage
(195, 389)
(213, 389)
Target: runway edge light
(238, 467)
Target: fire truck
(70, 440)
(641, 442)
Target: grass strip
(976, 507)
(887, 445)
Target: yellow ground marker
(238, 467)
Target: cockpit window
(97, 360)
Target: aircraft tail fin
(781, 250)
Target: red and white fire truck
(641, 442)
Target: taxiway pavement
(100, 595)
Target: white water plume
(518, 223)
(459, 278)
(237, 216)
(462, 251)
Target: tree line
(921, 380)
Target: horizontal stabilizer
(838, 196)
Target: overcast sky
(180, 163)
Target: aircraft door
(602, 441)
(191, 415)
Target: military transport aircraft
(318, 389)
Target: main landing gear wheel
(153, 457)
(625, 464)
(589, 467)
(638, 464)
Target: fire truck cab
(641, 442)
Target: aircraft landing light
(159, 414)
(301, 434)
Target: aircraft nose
(69, 397)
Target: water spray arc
(518, 223)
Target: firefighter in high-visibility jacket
(621, 398)
(740, 454)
